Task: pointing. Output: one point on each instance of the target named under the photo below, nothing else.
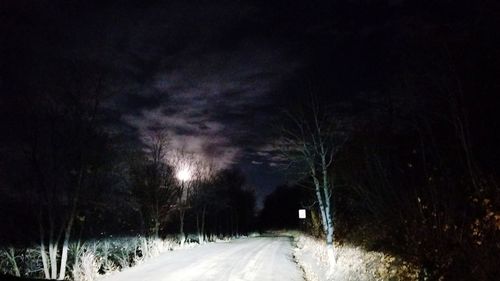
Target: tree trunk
(236, 225)
(64, 255)
(203, 225)
(328, 209)
(43, 253)
(182, 236)
(64, 259)
(77, 251)
(320, 203)
(45, 262)
(329, 220)
(53, 259)
(198, 232)
(156, 229)
(231, 224)
(11, 256)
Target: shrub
(106, 256)
(87, 264)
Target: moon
(184, 174)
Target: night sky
(210, 73)
(215, 74)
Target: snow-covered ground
(351, 263)
(257, 258)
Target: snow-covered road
(258, 258)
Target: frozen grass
(104, 257)
(351, 263)
(87, 266)
(93, 259)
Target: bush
(87, 264)
(20, 262)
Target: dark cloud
(215, 92)
(213, 95)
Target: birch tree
(60, 148)
(310, 139)
(63, 154)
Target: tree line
(410, 167)
(68, 176)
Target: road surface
(258, 258)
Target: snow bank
(351, 263)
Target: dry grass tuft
(350, 264)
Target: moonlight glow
(183, 174)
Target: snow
(350, 263)
(248, 259)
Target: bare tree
(201, 196)
(164, 189)
(153, 182)
(311, 139)
(61, 149)
(188, 173)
